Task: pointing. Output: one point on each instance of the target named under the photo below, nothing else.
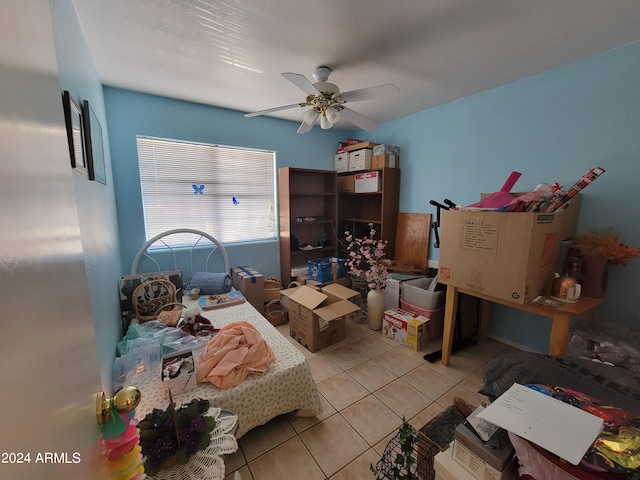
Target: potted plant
(174, 434)
(399, 461)
(366, 260)
(600, 248)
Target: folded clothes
(237, 351)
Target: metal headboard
(217, 246)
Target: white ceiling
(230, 53)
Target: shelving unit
(357, 210)
(305, 194)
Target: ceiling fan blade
(305, 127)
(357, 119)
(270, 110)
(301, 82)
(369, 93)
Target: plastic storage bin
(435, 326)
(415, 292)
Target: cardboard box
(510, 256)
(346, 184)
(368, 182)
(250, 283)
(385, 160)
(435, 327)
(386, 148)
(317, 317)
(184, 378)
(406, 328)
(415, 292)
(341, 162)
(360, 160)
(327, 269)
(478, 467)
(447, 468)
(351, 147)
(497, 451)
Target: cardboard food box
(385, 160)
(511, 256)
(406, 328)
(480, 469)
(383, 148)
(327, 269)
(341, 162)
(317, 317)
(367, 182)
(497, 451)
(178, 372)
(346, 184)
(250, 283)
(360, 160)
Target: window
(228, 192)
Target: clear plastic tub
(415, 292)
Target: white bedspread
(287, 386)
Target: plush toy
(195, 324)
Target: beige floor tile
(382, 444)
(403, 399)
(480, 353)
(373, 345)
(359, 469)
(265, 437)
(245, 474)
(322, 368)
(372, 419)
(470, 396)
(347, 356)
(300, 424)
(342, 390)
(333, 444)
(289, 460)
(457, 370)
(428, 381)
(371, 375)
(474, 382)
(234, 461)
(356, 331)
(426, 415)
(397, 362)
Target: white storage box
(341, 162)
(178, 372)
(368, 182)
(360, 159)
(415, 292)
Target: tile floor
(367, 383)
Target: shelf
(311, 194)
(360, 220)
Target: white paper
(558, 427)
(484, 429)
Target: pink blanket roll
(237, 351)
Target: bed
(286, 387)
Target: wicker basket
(272, 287)
(150, 296)
(170, 314)
(275, 312)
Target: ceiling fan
(327, 102)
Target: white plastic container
(415, 292)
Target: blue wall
(551, 127)
(131, 113)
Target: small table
(561, 318)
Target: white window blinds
(227, 192)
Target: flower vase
(595, 277)
(375, 308)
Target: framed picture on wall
(93, 144)
(73, 121)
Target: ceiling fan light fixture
(325, 124)
(310, 116)
(332, 114)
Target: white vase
(375, 308)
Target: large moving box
(511, 256)
(317, 317)
(251, 284)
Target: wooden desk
(561, 318)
